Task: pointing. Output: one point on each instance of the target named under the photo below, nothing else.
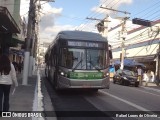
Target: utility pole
(115, 10)
(123, 33)
(36, 46)
(105, 24)
(32, 59)
(123, 37)
(28, 44)
(31, 41)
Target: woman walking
(7, 78)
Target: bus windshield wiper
(94, 66)
(77, 65)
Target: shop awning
(15, 41)
(17, 52)
(129, 62)
(7, 23)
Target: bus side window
(110, 51)
(110, 54)
(52, 58)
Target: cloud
(47, 21)
(51, 32)
(48, 15)
(49, 28)
(87, 27)
(24, 8)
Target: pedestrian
(148, 77)
(139, 71)
(20, 67)
(15, 64)
(152, 76)
(145, 77)
(7, 78)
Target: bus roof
(81, 35)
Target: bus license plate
(86, 86)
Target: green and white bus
(78, 59)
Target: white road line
(125, 101)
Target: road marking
(125, 101)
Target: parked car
(126, 77)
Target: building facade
(12, 27)
(141, 43)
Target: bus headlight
(62, 73)
(106, 75)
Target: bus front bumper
(64, 82)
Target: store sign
(85, 44)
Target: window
(95, 59)
(81, 59)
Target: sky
(72, 14)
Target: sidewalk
(29, 98)
(151, 86)
(22, 99)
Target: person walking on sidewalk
(139, 71)
(7, 78)
(146, 77)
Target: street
(119, 103)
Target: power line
(146, 9)
(96, 13)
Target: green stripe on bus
(86, 75)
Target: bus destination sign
(85, 44)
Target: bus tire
(114, 81)
(46, 74)
(95, 90)
(136, 84)
(55, 81)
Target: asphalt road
(119, 103)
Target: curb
(153, 89)
(38, 98)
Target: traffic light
(142, 22)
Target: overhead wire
(144, 10)
(146, 29)
(99, 10)
(154, 4)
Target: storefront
(8, 27)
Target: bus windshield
(82, 59)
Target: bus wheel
(95, 90)
(46, 74)
(114, 81)
(136, 84)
